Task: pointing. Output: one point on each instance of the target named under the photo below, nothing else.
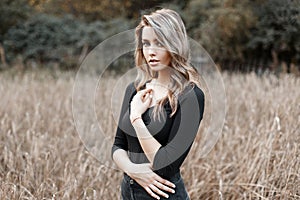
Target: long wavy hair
(171, 33)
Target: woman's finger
(148, 99)
(142, 93)
(163, 187)
(145, 97)
(145, 91)
(151, 193)
(165, 182)
(158, 191)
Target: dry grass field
(42, 156)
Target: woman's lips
(153, 62)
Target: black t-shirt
(176, 134)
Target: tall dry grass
(42, 157)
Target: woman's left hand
(140, 103)
(154, 184)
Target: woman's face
(157, 57)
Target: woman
(161, 111)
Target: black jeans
(131, 190)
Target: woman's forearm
(143, 175)
(148, 143)
(122, 160)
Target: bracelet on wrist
(134, 119)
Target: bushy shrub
(47, 38)
(277, 31)
(13, 12)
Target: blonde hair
(171, 33)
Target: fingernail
(173, 191)
(167, 196)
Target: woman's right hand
(140, 103)
(150, 181)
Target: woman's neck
(163, 77)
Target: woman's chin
(158, 67)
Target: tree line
(243, 35)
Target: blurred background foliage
(239, 35)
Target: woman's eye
(159, 44)
(145, 44)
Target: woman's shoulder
(131, 89)
(130, 86)
(199, 92)
(192, 89)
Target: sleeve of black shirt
(120, 138)
(183, 132)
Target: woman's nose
(152, 51)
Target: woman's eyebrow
(146, 40)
